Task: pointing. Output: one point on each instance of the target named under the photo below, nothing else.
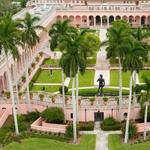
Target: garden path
(101, 136)
(102, 63)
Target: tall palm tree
(9, 40)
(72, 61)
(145, 99)
(58, 30)
(133, 61)
(29, 39)
(140, 34)
(117, 37)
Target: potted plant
(31, 96)
(20, 95)
(41, 54)
(79, 102)
(53, 99)
(66, 99)
(105, 99)
(29, 71)
(7, 94)
(92, 100)
(33, 65)
(23, 79)
(41, 96)
(37, 59)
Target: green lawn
(48, 88)
(91, 61)
(51, 62)
(114, 78)
(115, 144)
(144, 72)
(85, 80)
(45, 77)
(87, 143)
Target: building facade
(82, 13)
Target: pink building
(83, 13)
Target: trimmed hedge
(107, 92)
(86, 126)
(53, 115)
(110, 124)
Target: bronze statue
(101, 85)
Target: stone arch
(131, 19)
(59, 18)
(91, 20)
(84, 19)
(98, 20)
(125, 18)
(65, 17)
(137, 20)
(118, 17)
(78, 20)
(71, 18)
(104, 20)
(148, 20)
(111, 19)
(143, 20)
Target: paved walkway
(101, 136)
(102, 63)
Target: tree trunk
(120, 89)
(74, 112)
(129, 111)
(12, 96)
(134, 94)
(77, 95)
(63, 95)
(27, 84)
(145, 120)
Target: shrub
(69, 131)
(132, 130)
(53, 115)
(32, 116)
(86, 126)
(142, 113)
(110, 124)
(33, 65)
(41, 96)
(61, 89)
(92, 100)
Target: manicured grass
(115, 144)
(45, 77)
(91, 61)
(87, 143)
(48, 88)
(85, 80)
(114, 78)
(144, 72)
(51, 62)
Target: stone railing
(140, 127)
(3, 116)
(40, 125)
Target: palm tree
(133, 61)
(117, 37)
(72, 61)
(29, 39)
(140, 34)
(58, 30)
(9, 40)
(145, 99)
